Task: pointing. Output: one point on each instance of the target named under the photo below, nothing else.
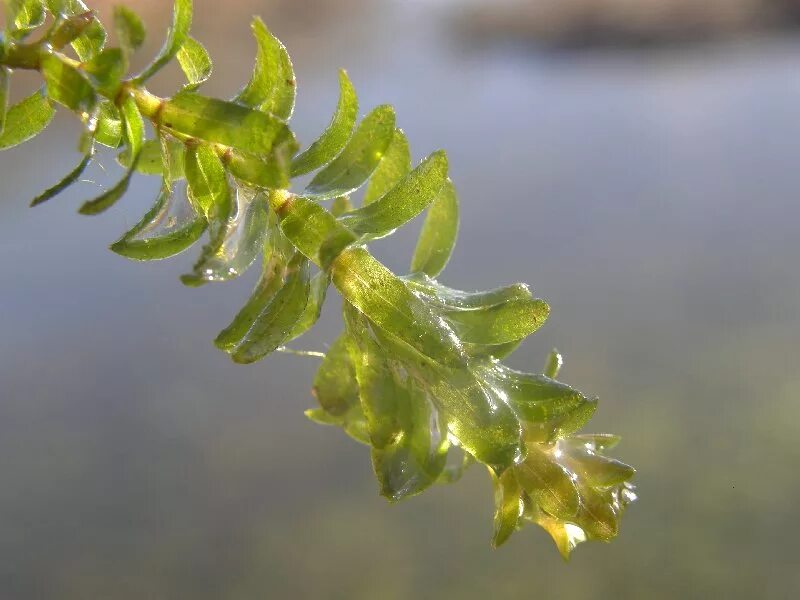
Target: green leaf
(275, 323)
(451, 299)
(168, 228)
(133, 127)
(69, 29)
(439, 233)
(236, 241)
(335, 137)
(23, 17)
(67, 181)
(107, 69)
(393, 167)
(208, 182)
(91, 41)
(507, 502)
(549, 484)
(272, 87)
(318, 290)
(151, 160)
(129, 28)
(403, 202)
(176, 37)
(109, 125)
(270, 172)
(553, 365)
(5, 79)
(195, 63)
(351, 169)
(499, 323)
(223, 122)
(66, 85)
(26, 119)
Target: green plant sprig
(416, 374)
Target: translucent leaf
(393, 167)
(107, 69)
(275, 323)
(68, 180)
(270, 172)
(235, 242)
(151, 160)
(451, 299)
(353, 166)
(476, 415)
(133, 127)
(554, 364)
(439, 233)
(23, 16)
(309, 226)
(129, 28)
(268, 285)
(195, 63)
(223, 122)
(26, 119)
(169, 227)
(508, 321)
(318, 290)
(208, 182)
(109, 125)
(176, 37)
(272, 87)
(66, 85)
(508, 506)
(69, 29)
(5, 79)
(335, 137)
(403, 202)
(91, 41)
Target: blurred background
(634, 160)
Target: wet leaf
(439, 233)
(393, 167)
(272, 87)
(208, 182)
(451, 299)
(500, 323)
(68, 180)
(275, 323)
(168, 228)
(554, 364)
(26, 119)
(176, 36)
(403, 202)
(548, 483)
(507, 506)
(362, 154)
(223, 122)
(93, 37)
(133, 128)
(66, 85)
(195, 63)
(235, 242)
(335, 137)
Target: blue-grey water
(650, 197)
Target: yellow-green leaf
(439, 233)
(195, 63)
(26, 119)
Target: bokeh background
(636, 161)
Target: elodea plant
(417, 373)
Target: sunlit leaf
(508, 506)
(66, 84)
(107, 69)
(335, 137)
(133, 128)
(553, 365)
(223, 122)
(451, 299)
(403, 202)
(393, 167)
(68, 180)
(93, 37)
(195, 63)
(176, 36)
(169, 227)
(129, 28)
(439, 233)
(500, 323)
(70, 28)
(23, 16)
(272, 87)
(275, 323)
(235, 241)
(208, 183)
(316, 298)
(26, 119)
(109, 125)
(353, 166)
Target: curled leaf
(439, 233)
(176, 36)
(394, 165)
(195, 63)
